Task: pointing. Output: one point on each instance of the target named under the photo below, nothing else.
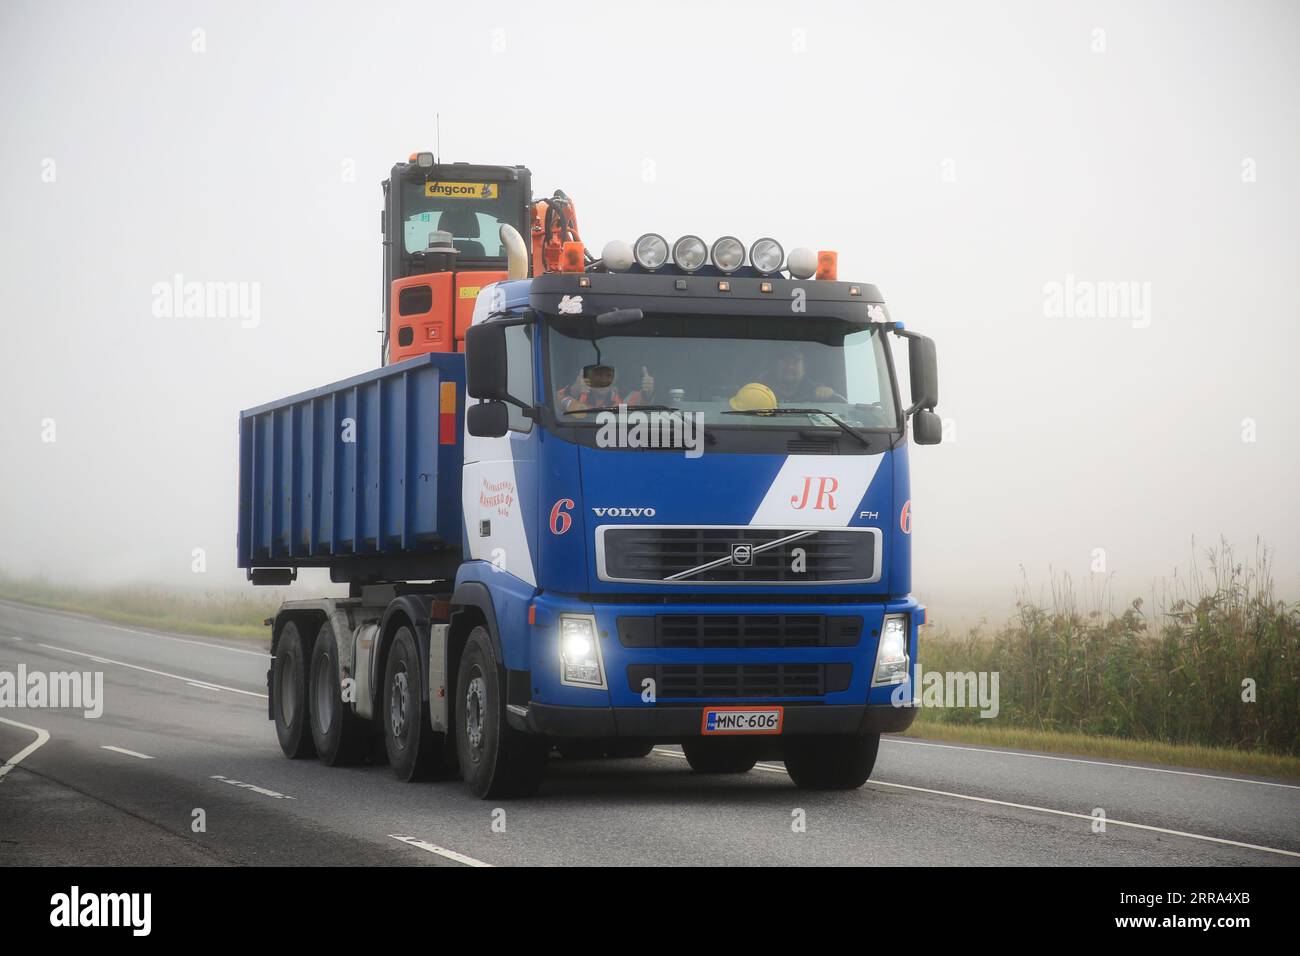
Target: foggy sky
(963, 157)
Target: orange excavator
(441, 227)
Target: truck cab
(690, 494)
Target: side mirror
(487, 419)
(485, 362)
(923, 369)
(927, 428)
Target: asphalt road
(184, 729)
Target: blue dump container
(362, 477)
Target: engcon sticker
(470, 291)
(462, 190)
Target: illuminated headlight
(580, 661)
(651, 251)
(767, 256)
(690, 253)
(891, 653)
(728, 254)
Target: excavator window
(471, 212)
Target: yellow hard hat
(753, 397)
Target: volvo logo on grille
(742, 555)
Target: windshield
(733, 370)
(471, 212)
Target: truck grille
(739, 630)
(671, 554)
(712, 681)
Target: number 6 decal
(561, 520)
(905, 519)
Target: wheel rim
(324, 694)
(475, 708)
(399, 705)
(288, 690)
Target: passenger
(593, 387)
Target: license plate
(741, 720)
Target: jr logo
(825, 487)
(561, 520)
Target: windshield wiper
(847, 429)
(711, 438)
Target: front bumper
(666, 723)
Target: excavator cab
(442, 244)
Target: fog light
(728, 254)
(767, 256)
(690, 253)
(891, 652)
(651, 251)
(580, 661)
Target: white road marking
(248, 786)
(42, 738)
(1110, 821)
(1095, 763)
(150, 670)
(123, 750)
(440, 851)
(128, 630)
(185, 640)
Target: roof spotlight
(690, 253)
(728, 254)
(767, 256)
(803, 263)
(651, 251)
(617, 255)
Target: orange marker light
(828, 264)
(571, 259)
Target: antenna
(438, 137)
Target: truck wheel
(720, 756)
(495, 759)
(289, 685)
(338, 733)
(411, 744)
(831, 763)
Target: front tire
(289, 684)
(710, 755)
(495, 759)
(831, 763)
(338, 734)
(409, 739)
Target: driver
(593, 387)
(787, 376)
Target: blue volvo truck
(659, 497)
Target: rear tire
(289, 685)
(831, 763)
(495, 759)
(339, 735)
(409, 740)
(720, 756)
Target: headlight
(767, 256)
(728, 254)
(689, 253)
(891, 652)
(651, 251)
(580, 661)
